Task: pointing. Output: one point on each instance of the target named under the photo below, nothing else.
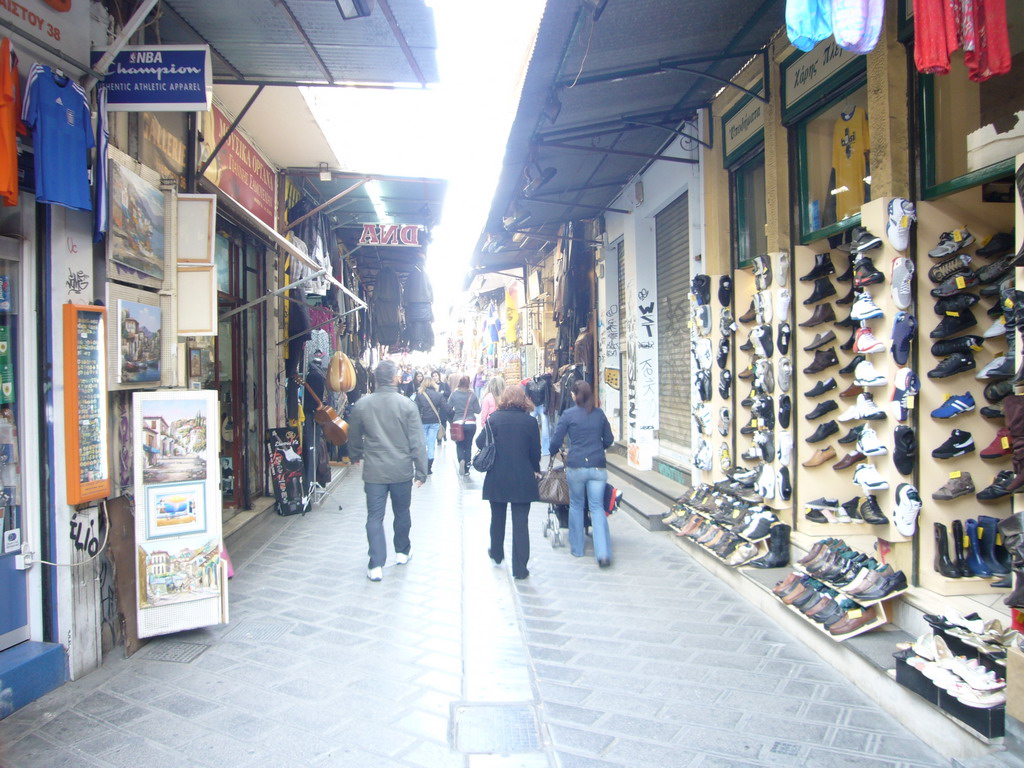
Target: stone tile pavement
(652, 662)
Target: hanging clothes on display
(386, 308)
(978, 26)
(857, 24)
(10, 123)
(850, 164)
(808, 22)
(418, 301)
(57, 111)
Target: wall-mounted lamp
(325, 172)
(354, 9)
(536, 178)
(552, 108)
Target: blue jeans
(376, 503)
(586, 489)
(430, 435)
(538, 412)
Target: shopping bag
(553, 485)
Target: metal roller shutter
(620, 253)
(672, 235)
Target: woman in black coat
(512, 478)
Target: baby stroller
(558, 516)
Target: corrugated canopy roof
(307, 41)
(608, 83)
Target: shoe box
(1015, 683)
(989, 723)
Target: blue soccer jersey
(57, 111)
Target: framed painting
(135, 236)
(175, 509)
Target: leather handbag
(458, 433)
(553, 486)
(484, 458)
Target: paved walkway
(652, 662)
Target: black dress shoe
(823, 288)
(821, 409)
(823, 313)
(852, 365)
(821, 387)
(824, 430)
(822, 268)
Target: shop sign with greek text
(407, 235)
(159, 78)
(60, 24)
(743, 127)
(806, 76)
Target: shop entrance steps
(27, 671)
(646, 496)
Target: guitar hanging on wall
(335, 428)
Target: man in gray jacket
(385, 431)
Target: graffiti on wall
(647, 351)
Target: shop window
(749, 210)
(970, 132)
(835, 166)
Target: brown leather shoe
(820, 456)
(849, 460)
(748, 316)
(854, 620)
(786, 582)
(796, 594)
(852, 391)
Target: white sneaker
(902, 279)
(908, 505)
(402, 558)
(784, 447)
(375, 574)
(763, 306)
(901, 216)
(864, 308)
(865, 342)
(783, 306)
(869, 444)
(998, 328)
(783, 272)
(865, 375)
(866, 408)
(766, 482)
(850, 414)
(867, 477)
(994, 365)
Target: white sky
(456, 130)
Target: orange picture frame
(87, 446)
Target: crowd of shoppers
(395, 432)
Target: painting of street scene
(174, 433)
(175, 509)
(136, 234)
(179, 574)
(139, 342)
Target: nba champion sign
(159, 78)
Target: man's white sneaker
(902, 278)
(865, 375)
(901, 216)
(868, 478)
(402, 558)
(908, 505)
(869, 444)
(375, 574)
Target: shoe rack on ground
(815, 482)
(982, 219)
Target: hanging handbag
(553, 486)
(484, 458)
(458, 433)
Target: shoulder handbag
(553, 487)
(484, 458)
(458, 434)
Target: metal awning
(610, 85)
(306, 42)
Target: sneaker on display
(908, 507)
(864, 308)
(902, 282)
(865, 375)
(901, 215)
(998, 328)
(954, 405)
(865, 342)
(869, 444)
(956, 363)
(868, 478)
(958, 484)
(867, 409)
(951, 242)
(959, 443)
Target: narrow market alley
(652, 662)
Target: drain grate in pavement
(495, 729)
(256, 632)
(782, 748)
(173, 650)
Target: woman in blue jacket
(589, 435)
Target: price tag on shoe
(954, 475)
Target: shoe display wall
(964, 461)
(759, 398)
(713, 453)
(868, 365)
